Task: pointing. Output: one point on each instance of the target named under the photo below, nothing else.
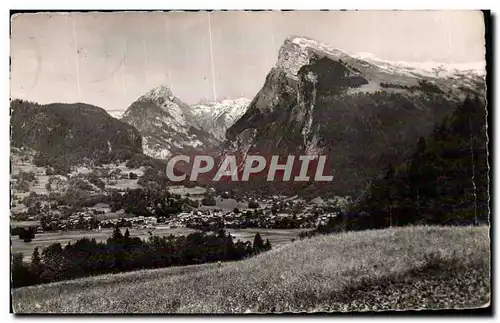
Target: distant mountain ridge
(217, 117)
(117, 114)
(430, 68)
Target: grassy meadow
(420, 267)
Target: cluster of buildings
(82, 220)
(134, 222)
(247, 218)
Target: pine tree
(267, 246)
(36, 264)
(416, 175)
(117, 234)
(228, 247)
(444, 182)
(258, 243)
(389, 195)
(221, 234)
(20, 272)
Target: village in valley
(288, 163)
(49, 202)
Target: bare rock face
(167, 125)
(361, 113)
(299, 51)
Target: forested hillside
(444, 182)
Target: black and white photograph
(249, 161)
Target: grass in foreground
(400, 268)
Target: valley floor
(420, 267)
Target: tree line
(423, 85)
(121, 253)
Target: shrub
(94, 179)
(82, 185)
(209, 201)
(253, 205)
(22, 186)
(27, 235)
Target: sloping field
(401, 268)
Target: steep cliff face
(71, 131)
(167, 125)
(362, 115)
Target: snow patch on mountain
(298, 51)
(428, 68)
(167, 124)
(217, 117)
(117, 114)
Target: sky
(110, 59)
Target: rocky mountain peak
(159, 92)
(359, 111)
(298, 51)
(166, 124)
